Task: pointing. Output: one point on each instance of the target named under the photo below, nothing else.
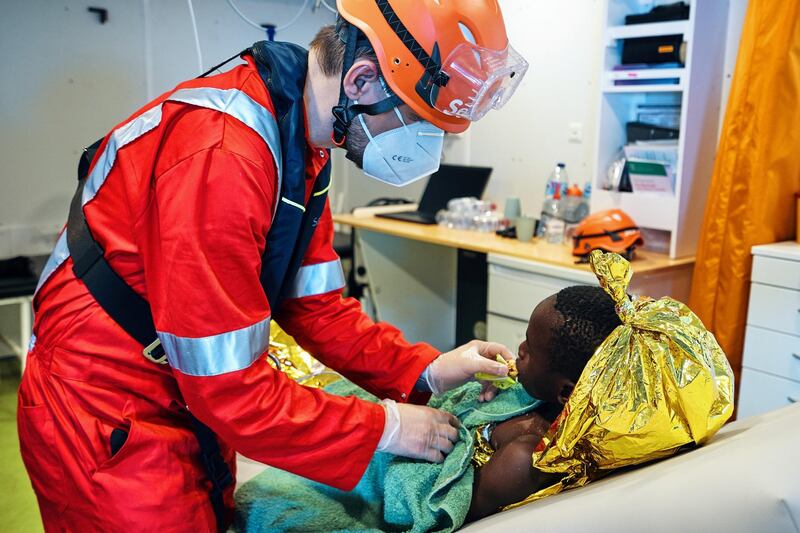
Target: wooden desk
(489, 243)
(413, 271)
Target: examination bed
(746, 479)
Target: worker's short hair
(329, 46)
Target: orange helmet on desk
(611, 231)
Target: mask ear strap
(400, 116)
(396, 109)
(364, 126)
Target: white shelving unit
(674, 220)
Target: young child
(490, 466)
(563, 332)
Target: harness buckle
(155, 353)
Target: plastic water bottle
(560, 177)
(549, 193)
(554, 227)
(556, 185)
(573, 206)
(587, 197)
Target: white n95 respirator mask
(405, 154)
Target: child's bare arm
(507, 478)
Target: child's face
(533, 362)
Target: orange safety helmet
(610, 231)
(449, 60)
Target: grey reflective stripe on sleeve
(232, 102)
(59, 255)
(240, 106)
(317, 279)
(119, 138)
(217, 354)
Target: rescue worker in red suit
(187, 201)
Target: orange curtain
(756, 173)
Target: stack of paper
(651, 166)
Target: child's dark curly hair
(589, 316)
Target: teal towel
(395, 494)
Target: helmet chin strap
(345, 112)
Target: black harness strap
(217, 470)
(132, 313)
(217, 67)
(117, 298)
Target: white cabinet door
(772, 352)
(413, 286)
(774, 308)
(778, 272)
(506, 331)
(762, 392)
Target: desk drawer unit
(515, 288)
(771, 364)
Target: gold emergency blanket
(658, 383)
(287, 356)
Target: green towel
(395, 494)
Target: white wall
(562, 41)
(736, 15)
(171, 49)
(524, 140)
(66, 80)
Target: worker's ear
(565, 391)
(361, 79)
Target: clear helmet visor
(480, 79)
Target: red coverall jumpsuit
(185, 199)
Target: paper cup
(525, 227)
